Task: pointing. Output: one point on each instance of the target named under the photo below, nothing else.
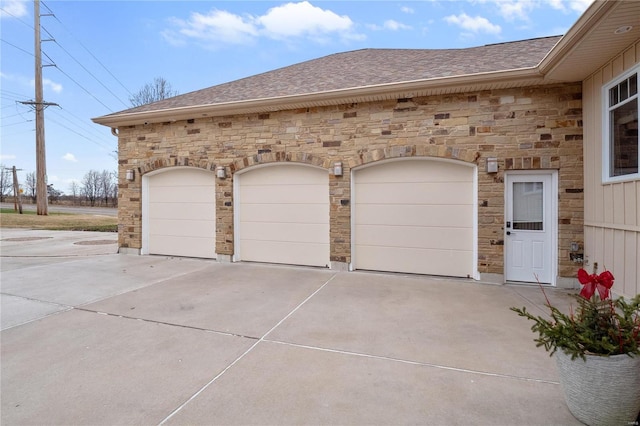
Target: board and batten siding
(611, 210)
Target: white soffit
(592, 41)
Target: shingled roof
(360, 69)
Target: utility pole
(17, 195)
(41, 161)
(39, 105)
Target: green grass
(29, 212)
(10, 218)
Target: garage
(415, 216)
(282, 215)
(179, 213)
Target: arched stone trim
(280, 157)
(162, 163)
(366, 156)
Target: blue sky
(104, 51)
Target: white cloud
(70, 157)
(288, 21)
(390, 25)
(4, 157)
(56, 87)
(474, 24)
(511, 10)
(219, 25)
(406, 9)
(521, 10)
(300, 19)
(580, 5)
(13, 9)
(395, 25)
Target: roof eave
(576, 34)
(361, 94)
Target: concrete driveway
(92, 337)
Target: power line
(10, 135)
(90, 53)
(80, 86)
(14, 93)
(11, 14)
(87, 128)
(89, 72)
(79, 134)
(15, 124)
(19, 48)
(9, 116)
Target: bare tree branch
(152, 92)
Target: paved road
(54, 208)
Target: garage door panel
(281, 175)
(433, 262)
(181, 177)
(414, 237)
(419, 171)
(283, 232)
(183, 194)
(191, 246)
(452, 193)
(297, 253)
(187, 228)
(182, 211)
(284, 194)
(412, 215)
(302, 213)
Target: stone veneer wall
(525, 128)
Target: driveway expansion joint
(31, 299)
(206, 330)
(410, 362)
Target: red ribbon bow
(602, 283)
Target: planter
(602, 390)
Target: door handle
(508, 232)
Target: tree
(30, 184)
(74, 189)
(114, 194)
(106, 183)
(6, 182)
(152, 92)
(91, 186)
(54, 194)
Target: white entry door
(530, 227)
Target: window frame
(606, 126)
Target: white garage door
(181, 209)
(283, 215)
(415, 216)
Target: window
(528, 206)
(621, 156)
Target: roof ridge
(526, 39)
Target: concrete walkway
(91, 337)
